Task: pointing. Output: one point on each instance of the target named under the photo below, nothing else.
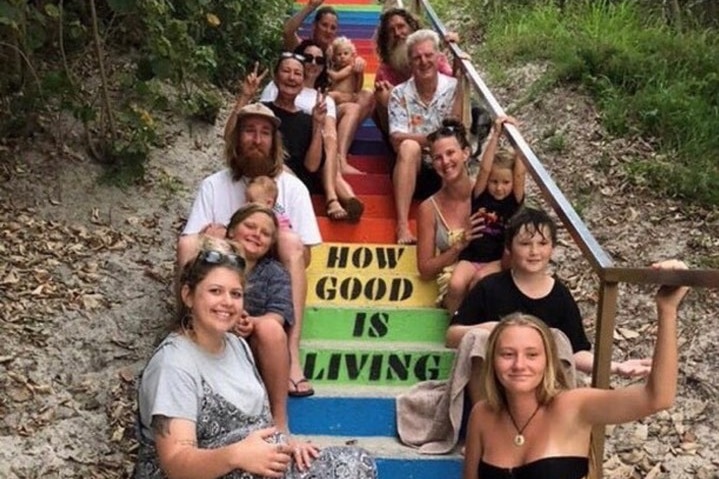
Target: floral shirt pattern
(409, 114)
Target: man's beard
(255, 162)
(398, 57)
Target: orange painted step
(368, 230)
(371, 184)
(374, 206)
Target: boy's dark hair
(534, 220)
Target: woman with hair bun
(443, 227)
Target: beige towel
(429, 415)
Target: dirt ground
(85, 271)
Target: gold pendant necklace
(519, 438)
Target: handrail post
(604, 338)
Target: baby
(346, 82)
(263, 191)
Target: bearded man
(395, 25)
(253, 147)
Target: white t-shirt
(305, 101)
(219, 197)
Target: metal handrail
(601, 262)
(608, 274)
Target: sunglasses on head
(217, 258)
(316, 59)
(296, 56)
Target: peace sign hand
(319, 111)
(252, 81)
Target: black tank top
(562, 467)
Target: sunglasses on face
(217, 258)
(296, 56)
(316, 59)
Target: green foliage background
(649, 76)
(195, 46)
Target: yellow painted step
(375, 259)
(340, 288)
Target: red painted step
(370, 163)
(371, 184)
(374, 206)
(368, 230)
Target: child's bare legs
(458, 286)
(349, 117)
(341, 97)
(269, 346)
(295, 259)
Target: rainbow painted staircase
(371, 329)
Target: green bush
(195, 46)
(647, 77)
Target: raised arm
(248, 90)
(600, 406)
(485, 166)
(313, 157)
(290, 38)
(519, 177)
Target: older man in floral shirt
(417, 108)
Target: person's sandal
(296, 392)
(354, 209)
(338, 213)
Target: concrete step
(374, 363)
(375, 324)
(368, 230)
(397, 461)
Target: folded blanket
(429, 415)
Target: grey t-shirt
(172, 380)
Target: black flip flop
(354, 209)
(300, 394)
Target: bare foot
(348, 169)
(335, 211)
(405, 236)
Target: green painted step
(374, 362)
(370, 258)
(375, 324)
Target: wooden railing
(608, 274)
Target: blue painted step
(396, 461)
(343, 416)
